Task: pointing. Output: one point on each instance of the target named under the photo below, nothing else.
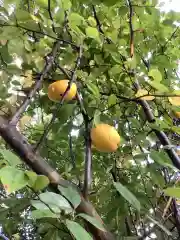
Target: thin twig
(176, 215)
(28, 3)
(147, 110)
(41, 33)
(97, 20)
(55, 113)
(171, 37)
(71, 152)
(131, 29)
(99, 24)
(50, 15)
(50, 59)
(88, 156)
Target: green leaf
(127, 195)
(112, 100)
(64, 4)
(161, 158)
(76, 19)
(5, 55)
(110, 2)
(38, 214)
(176, 129)
(155, 74)
(131, 62)
(92, 32)
(71, 194)
(160, 226)
(92, 21)
(116, 69)
(113, 35)
(10, 32)
(158, 86)
(172, 192)
(77, 231)
(31, 25)
(94, 89)
(22, 16)
(14, 69)
(39, 62)
(123, 10)
(135, 22)
(93, 221)
(40, 183)
(43, 206)
(12, 178)
(11, 158)
(42, 3)
(96, 119)
(53, 234)
(32, 176)
(16, 46)
(55, 200)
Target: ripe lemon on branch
(105, 138)
(58, 88)
(176, 102)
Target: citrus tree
(89, 120)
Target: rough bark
(25, 151)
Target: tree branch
(176, 215)
(131, 30)
(47, 129)
(147, 110)
(41, 33)
(50, 59)
(25, 151)
(97, 20)
(88, 157)
(50, 15)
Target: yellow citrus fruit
(57, 89)
(105, 138)
(177, 114)
(174, 101)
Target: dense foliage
(113, 50)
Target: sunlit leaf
(76, 19)
(92, 21)
(12, 178)
(10, 157)
(158, 86)
(40, 183)
(92, 32)
(155, 74)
